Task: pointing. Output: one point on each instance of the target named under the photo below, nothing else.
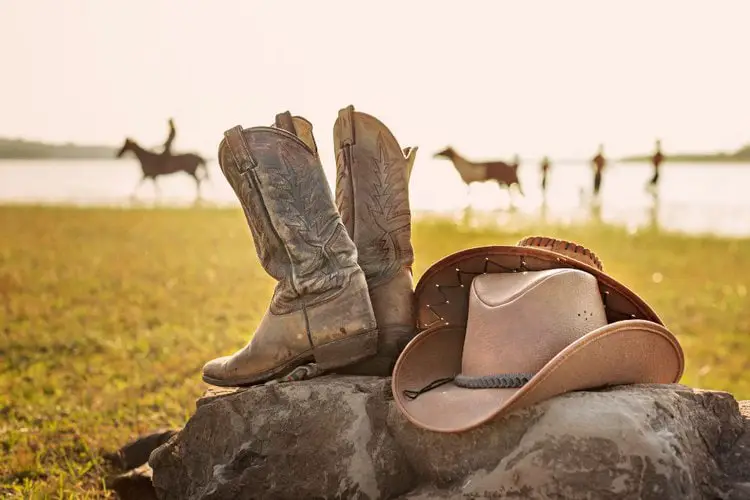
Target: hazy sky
(492, 78)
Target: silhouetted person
(170, 139)
(599, 162)
(545, 170)
(656, 160)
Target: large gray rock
(342, 437)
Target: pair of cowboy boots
(344, 297)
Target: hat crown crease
(518, 322)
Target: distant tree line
(22, 149)
(742, 155)
(11, 149)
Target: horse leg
(468, 194)
(138, 185)
(505, 187)
(157, 188)
(511, 197)
(197, 185)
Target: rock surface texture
(342, 437)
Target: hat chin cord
(500, 381)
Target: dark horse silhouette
(156, 164)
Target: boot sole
(393, 341)
(336, 354)
(347, 351)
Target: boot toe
(215, 370)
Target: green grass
(106, 317)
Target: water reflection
(653, 212)
(690, 198)
(544, 210)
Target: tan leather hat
(504, 327)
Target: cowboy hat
(504, 327)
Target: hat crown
(518, 322)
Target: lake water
(693, 198)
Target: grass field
(106, 317)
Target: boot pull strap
(284, 121)
(235, 139)
(346, 124)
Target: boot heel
(346, 351)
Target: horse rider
(170, 139)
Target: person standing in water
(656, 160)
(598, 162)
(545, 170)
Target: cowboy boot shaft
(321, 309)
(299, 126)
(372, 195)
(298, 233)
(268, 246)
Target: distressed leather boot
(372, 195)
(320, 310)
(298, 126)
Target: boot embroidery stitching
(344, 190)
(244, 182)
(385, 205)
(306, 215)
(384, 200)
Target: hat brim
(442, 293)
(625, 352)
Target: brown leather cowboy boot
(372, 195)
(320, 310)
(299, 126)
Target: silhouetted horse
(506, 175)
(155, 164)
